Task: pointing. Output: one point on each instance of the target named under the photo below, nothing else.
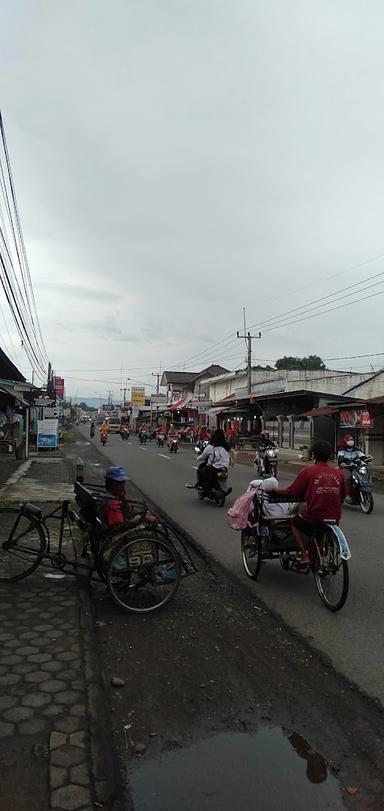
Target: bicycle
(140, 566)
(270, 538)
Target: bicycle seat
(32, 510)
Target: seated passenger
(268, 486)
(115, 507)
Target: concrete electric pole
(248, 339)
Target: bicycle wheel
(331, 572)
(251, 554)
(143, 572)
(22, 544)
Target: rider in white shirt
(214, 457)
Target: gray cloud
(176, 160)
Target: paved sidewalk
(55, 750)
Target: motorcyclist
(214, 457)
(92, 429)
(172, 434)
(103, 430)
(264, 443)
(347, 457)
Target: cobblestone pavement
(43, 701)
(55, 751)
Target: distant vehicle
(114, 425)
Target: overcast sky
(177, 159)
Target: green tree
(310, 362)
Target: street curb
(107, 783)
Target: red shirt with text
(323, 489)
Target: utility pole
(248, 340)
(157, 376)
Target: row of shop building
(296, 407)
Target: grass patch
(68, 438)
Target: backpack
(238, 514)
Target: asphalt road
(352, 638)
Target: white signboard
(47, 433)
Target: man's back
(323, 489)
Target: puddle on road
(268, 770)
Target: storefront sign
(356, 418)
(137, 396)
(47, 433)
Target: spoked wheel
(22, 544)
(143, 572)
(366, 502)
(251, 554)
(331, 573)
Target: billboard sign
(47, 433)
(58, 384)
(138, 396)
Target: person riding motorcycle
(214, 457)
(104, 431)
(348, 455)
(92, 429)
(264, 443)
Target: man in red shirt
(323, 489)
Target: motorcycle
(142, 438)
(360, 485)
(160, 440)
(92, 433)
(173, 444)
(266, 460)
(215, 492)
(124, 433)
(103, 438)
(201, 445)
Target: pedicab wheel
(143, 573)
(251, 554)
(331, 573)
(22, 544)
(366, 503)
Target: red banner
(58, 383)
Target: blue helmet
(116, 473)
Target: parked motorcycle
(360, 484)
(266, 460)
(173, 444)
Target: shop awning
(325, 411)
(11, 393)
(180, 404)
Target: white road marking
(195, 467)
(142, 449)
(164, 456)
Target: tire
(366, 502)
(251, 554)
(333, 593)
(143, 572)
(220, 499)
(22, 544)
